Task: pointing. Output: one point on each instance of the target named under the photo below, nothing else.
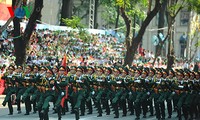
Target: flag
(27, 12)
(19, 12)
(11, 11)
(64, 61)
(62, 103)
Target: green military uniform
(61, 84)
(47, 96)
(20, 84)
(10, 89)
(79, 93)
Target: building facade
(52, 17)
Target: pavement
(4, 115)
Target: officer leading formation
(138, 91)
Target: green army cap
(125, 70)
(56, 67)
(165, 72)
(36, 67)
(73, 68)
(99, 68)
(62, 68)
(152, 70)
(90, 68)
(116, 69)
(29, 67)
(145, 71)
(49, 70)
(19, 67)
(79, 68)
(171, 72)
(43, 68)
(108, 69)
(12, 67)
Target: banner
(2, 86)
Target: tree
(21, 42)
(133, 41)
(161, 24)
(193, 41)
(66, 12)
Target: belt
(74, 88)
(48, 88)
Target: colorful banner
(4, 12)
(2, 86)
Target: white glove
(148, 93)
(62, 93)
(53, 88)
(93, 92)
(130, 93)
(173, 93)
(58, 82)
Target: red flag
(11, 11)
(64, 61)
(62, 103)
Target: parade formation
(136, 90)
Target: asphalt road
(4, 115)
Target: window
(184, 17)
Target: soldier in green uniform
(169, 91)
(100, 84)
(27, 93)
(35, 82)
(137, 102)
(182, 95)
(197, 92)
(72, 77)
(79, 93)
(157, 95)
(20, 84)
(9, 88)
(124, 96)
(132, 91)
(145, 92)
(41, 90)
(108, 90)
(117, 84)
(61, 85)
(150, 84)
(49, 93)
(88, 94)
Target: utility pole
(91, 14)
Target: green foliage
(197, 43)
(173, 9)
(194, 5)
(74, 22)
(134, 7)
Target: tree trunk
(129, 56)
(136, 40)
(67, 9)
(117, 20)
(21, 43)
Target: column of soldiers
(137, 90)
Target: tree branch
(146, 22)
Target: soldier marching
(136, 90)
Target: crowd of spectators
(49, 47)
